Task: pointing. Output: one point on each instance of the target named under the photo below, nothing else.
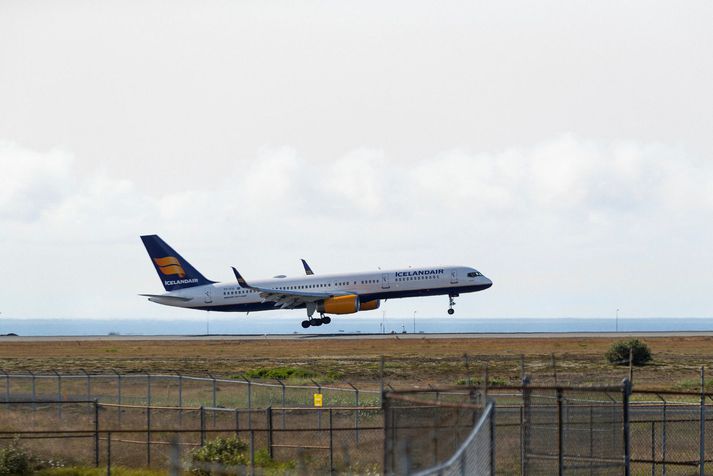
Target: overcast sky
(564, 149)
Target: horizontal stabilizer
(168, 298)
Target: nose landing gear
(316, 321)
(451, 303)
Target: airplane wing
(169, 298)
(308, 270)
(288, 298)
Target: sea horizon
(371, 325)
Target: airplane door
(385, 281)
(454, 277)
(208, 296)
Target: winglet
(241, 281)
(308, 270)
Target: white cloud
(544, 221)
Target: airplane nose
(487, 282)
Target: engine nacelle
(370, 305)
(346, 305)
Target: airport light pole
(414, 321)
(617, 320)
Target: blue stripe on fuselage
(384, 294)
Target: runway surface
(250, 337)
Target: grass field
(436, 361)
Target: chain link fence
(136, 420)
(177, 390)
(90, 433)
(425, 428)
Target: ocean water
(344, 324)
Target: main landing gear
(316, 321)
(451, 303)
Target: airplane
(346, 293)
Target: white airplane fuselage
(369, 286)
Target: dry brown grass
(409, 361)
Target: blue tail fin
(174, 271)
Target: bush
(223, 451)
(618, 353)
(14, 461)
(231, 452)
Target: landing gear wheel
(305, 324)
(326, 319)
(451, 303)
(315, 322)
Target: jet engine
(346, 305)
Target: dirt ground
(434, 361)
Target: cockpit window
(474, 274)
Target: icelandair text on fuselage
(406, 274)
(181, 281)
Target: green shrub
(14, 461)
(618, 353)
(224, 451)
(227, 452)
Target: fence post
(591, 438)
(492, 438)
(252, 448)
(560, 433)
(525, 425)
(653, 448)
(174, 457)
(180, 390)
(148, 436)
(214, 398)
(89, 384)
(284, 399)
(387, 441)
(702, 432)
(356, 411)
(96, 432)
(626, 391)
(250, 415)
(486, 378)
(148, 388)
(34, 389)
(118, 395)
(202, 423)
(237, 422)
(214, 390)
(663, 436)
(7, 385)
(319, 411)
(381, 381)
(59, 394)
(468, 380)
(554, 367)
(180, 402)
(522, 367)
(268, 416)
(631, 365)
(331, 443)
(108, 453)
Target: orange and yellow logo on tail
(170, 265)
